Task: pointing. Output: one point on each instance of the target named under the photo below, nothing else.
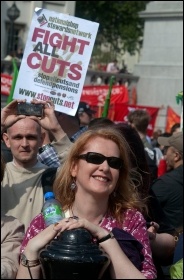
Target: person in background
(12, 233)
(47, 153)
(100, 122)
(162, 165)
(96, 193)
(112, 67)
(155, 136)
(175, 128)
(140, 168)
(85, 114)
(139, 119)
(168, 188)
(70, 124)
(22, 192)
(124, 69)
(162, 234)
(164, 134)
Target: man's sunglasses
(96, 158)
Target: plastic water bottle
(52, 210)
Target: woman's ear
(74, 169)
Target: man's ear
(6, 139)
(178, 156)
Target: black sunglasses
(96, 158)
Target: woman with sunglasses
(94, 185)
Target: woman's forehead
(100, 144)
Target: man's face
(24, 139)
(85, 118)
(169, 154)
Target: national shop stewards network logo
(42, 20)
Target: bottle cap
(49, 194)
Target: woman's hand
(44, 237)
(40, 241)
(31, 252)
(75, 222)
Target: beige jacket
(12, 233)
(22, 192)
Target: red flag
(172, 118)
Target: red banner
(118, 113)
(6, 81)
(119, 107)
(172, 118)
(95, 95)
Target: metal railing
(93, 77)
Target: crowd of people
(109, 180)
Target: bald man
(21, 191)
(24, 139)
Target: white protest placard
(56, 59)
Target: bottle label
(53, 210)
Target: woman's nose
(104, 165)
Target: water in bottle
(52, 210)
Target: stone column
(160, 68)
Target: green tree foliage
(119, 23)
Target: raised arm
(9, 114)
